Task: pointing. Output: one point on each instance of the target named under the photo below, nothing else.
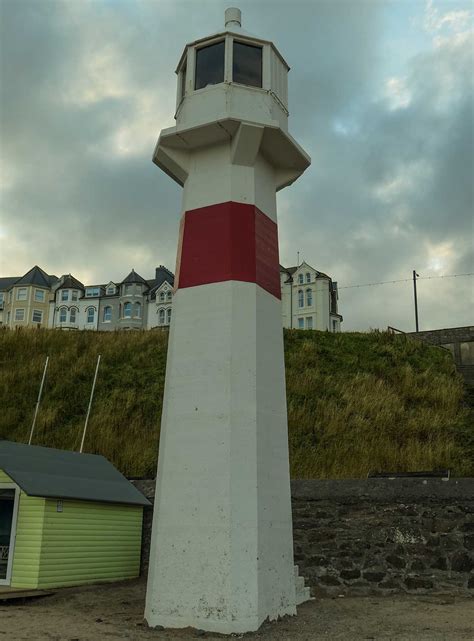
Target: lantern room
(232, 73)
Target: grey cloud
(101, 213)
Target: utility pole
(415, 275)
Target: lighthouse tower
(222, 546)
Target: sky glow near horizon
(380, 97)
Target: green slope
(356, 402)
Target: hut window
(209, 65)
(247, 64)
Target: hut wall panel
(89, 542)
(29, 533)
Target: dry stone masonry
(378, 536)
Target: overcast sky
(380, 97)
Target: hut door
(8, 513)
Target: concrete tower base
(224, 426)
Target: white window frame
(111, 289)
(127, 305)
(309, 297)
(300, 323)
(90, 309)
(42, 292)
(74, 295)
(64, 295)
(36, 311)
(138, 307)
(71, 319)
(309, 322)
(19, 320)
(104, 319)
(162, 296)
(300, 298)
(63, 309)
(161, 316)
(168, 316)
(300, 279)
(91, 292)
(22, 289)
(308, 277)
(11, 550)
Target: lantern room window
(209, 65)
(247, 64)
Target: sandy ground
(107, 613)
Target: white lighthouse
(222, 546)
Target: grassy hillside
(356, 402)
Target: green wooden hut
(65, 519)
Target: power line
(404, 280)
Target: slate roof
(133, 277)
(70, 282)
(161, 275)
(51, 473)
(7, 282)
(37, 276)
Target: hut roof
(51, 473)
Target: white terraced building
(309, 300)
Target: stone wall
(378, 536)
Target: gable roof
(70, 282)
(7, 282)
(133, 277)
(51, 473)
(37, 276)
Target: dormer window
(209, 65)
(300, 279)
(162, 296)
(247, 64)
(111, 289)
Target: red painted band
(228, 241)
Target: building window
(300, 298)
(39, 295)
(74, 294)
(92, 292)
(309, 322)
(247, 64)
(161, 317)
(127, 310)
(168, 296)
(107, 314)
(209, 65)
(64, 294)
(300, 279)
(162, 296)
(309, 297)
(168, 316)
(308, 277)
(19, 314)
(72, 315)
(90, 314)
(111, 289)
(37, 316)
(138, 310)
(300, 323)
(182, 81)
(62, 315)
(127, 289)
(21, 293)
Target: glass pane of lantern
(247, 65)
(209, 65)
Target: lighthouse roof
(232, 29)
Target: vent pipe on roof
(233, 17)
